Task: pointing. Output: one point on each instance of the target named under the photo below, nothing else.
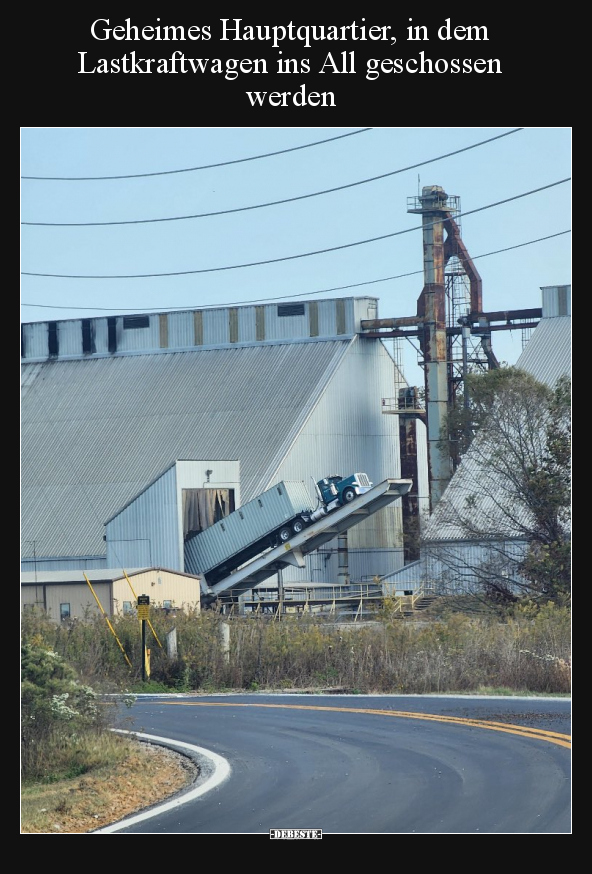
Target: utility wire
(286, 257)
(193, 169)
(286, 296)
(272, 202)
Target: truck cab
(336, 490)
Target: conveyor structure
(311, 538)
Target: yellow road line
(563, 740)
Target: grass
(131, 775)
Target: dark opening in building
(88, 336)
(203, 507)
(53, 346)
(112, 333)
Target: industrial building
(73, 595)
(139, 430)
(450, 561)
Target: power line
(193, 169)
(285, 257)
(286, 296)
(273, 202)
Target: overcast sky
(176, 212)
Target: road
(358, 764)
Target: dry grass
(146, 775)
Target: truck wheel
(298, 526)
(284, 534)
(348, 495)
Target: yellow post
(136, 598)
(107, 618)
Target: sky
(215, 216)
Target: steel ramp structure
(293, 552)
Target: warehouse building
(140, 430)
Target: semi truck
(265, 522)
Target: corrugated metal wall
(556, 300)
(346, 433)
(146, 533)
(149, 531)
(452, 568)
(184, 329)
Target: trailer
(265, 522)
(248, 573)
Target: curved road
(361, 764)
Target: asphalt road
(357, 764)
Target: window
(290, 309)
(127, 607)
(167, 605)
(135, 322)
(64, 611)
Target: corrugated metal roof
(108, 575)
(547, 357)
(95, 432)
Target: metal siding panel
(285, 327)
(556, 300)
(246, 320)
(233, 324)
(327, 318)
(313, 318)
(198, 328)
(344, 437)
(340, 316)
(163, 331)
(101, 335)
(180, 328)
(36, 340)
(147, 531)
(70, 337)
(215, 327)
(260, 323)
(135, 339)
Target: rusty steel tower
(453, 332)
(437, 210)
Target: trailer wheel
(298, 526)
(348, 495)
(284, 534)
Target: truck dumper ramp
(311, 538)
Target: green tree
(512, 492)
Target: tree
(502, 528)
